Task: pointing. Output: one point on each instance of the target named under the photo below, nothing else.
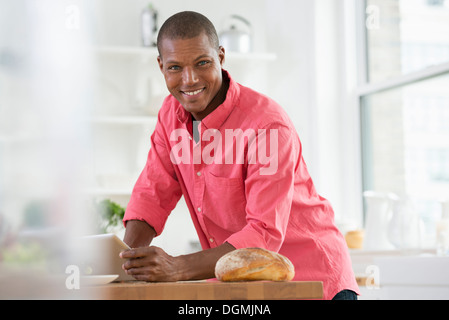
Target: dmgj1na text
(235, 309)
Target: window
(404, 104)
(404, 36)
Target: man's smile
(193, 93)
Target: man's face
(192, 71)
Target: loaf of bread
(252, 264)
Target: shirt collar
(217, 117)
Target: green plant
(111, 214)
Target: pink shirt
(253, 191)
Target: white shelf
(153, 53)
(260, 56)
(126, 50)
(105, 192)
(124, 120)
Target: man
(236, 158)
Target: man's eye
(202, 63)
(174, 68)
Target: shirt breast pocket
(225, 202)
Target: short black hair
(187, 25)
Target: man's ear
(221, 55)
(161, 64)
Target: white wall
(291, 78)
(313, 80)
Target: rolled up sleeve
(269, 192)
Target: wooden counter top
(209, 290)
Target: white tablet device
(100, 256)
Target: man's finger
(139, 271)
(133, 253)
(127, 254)
(134, 263)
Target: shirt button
(199, 209)
(198, 173)
(211, 239)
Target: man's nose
(189, 76)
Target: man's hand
(154, 264)
(151, 264)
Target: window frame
(365, 88)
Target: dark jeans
(345, 295)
